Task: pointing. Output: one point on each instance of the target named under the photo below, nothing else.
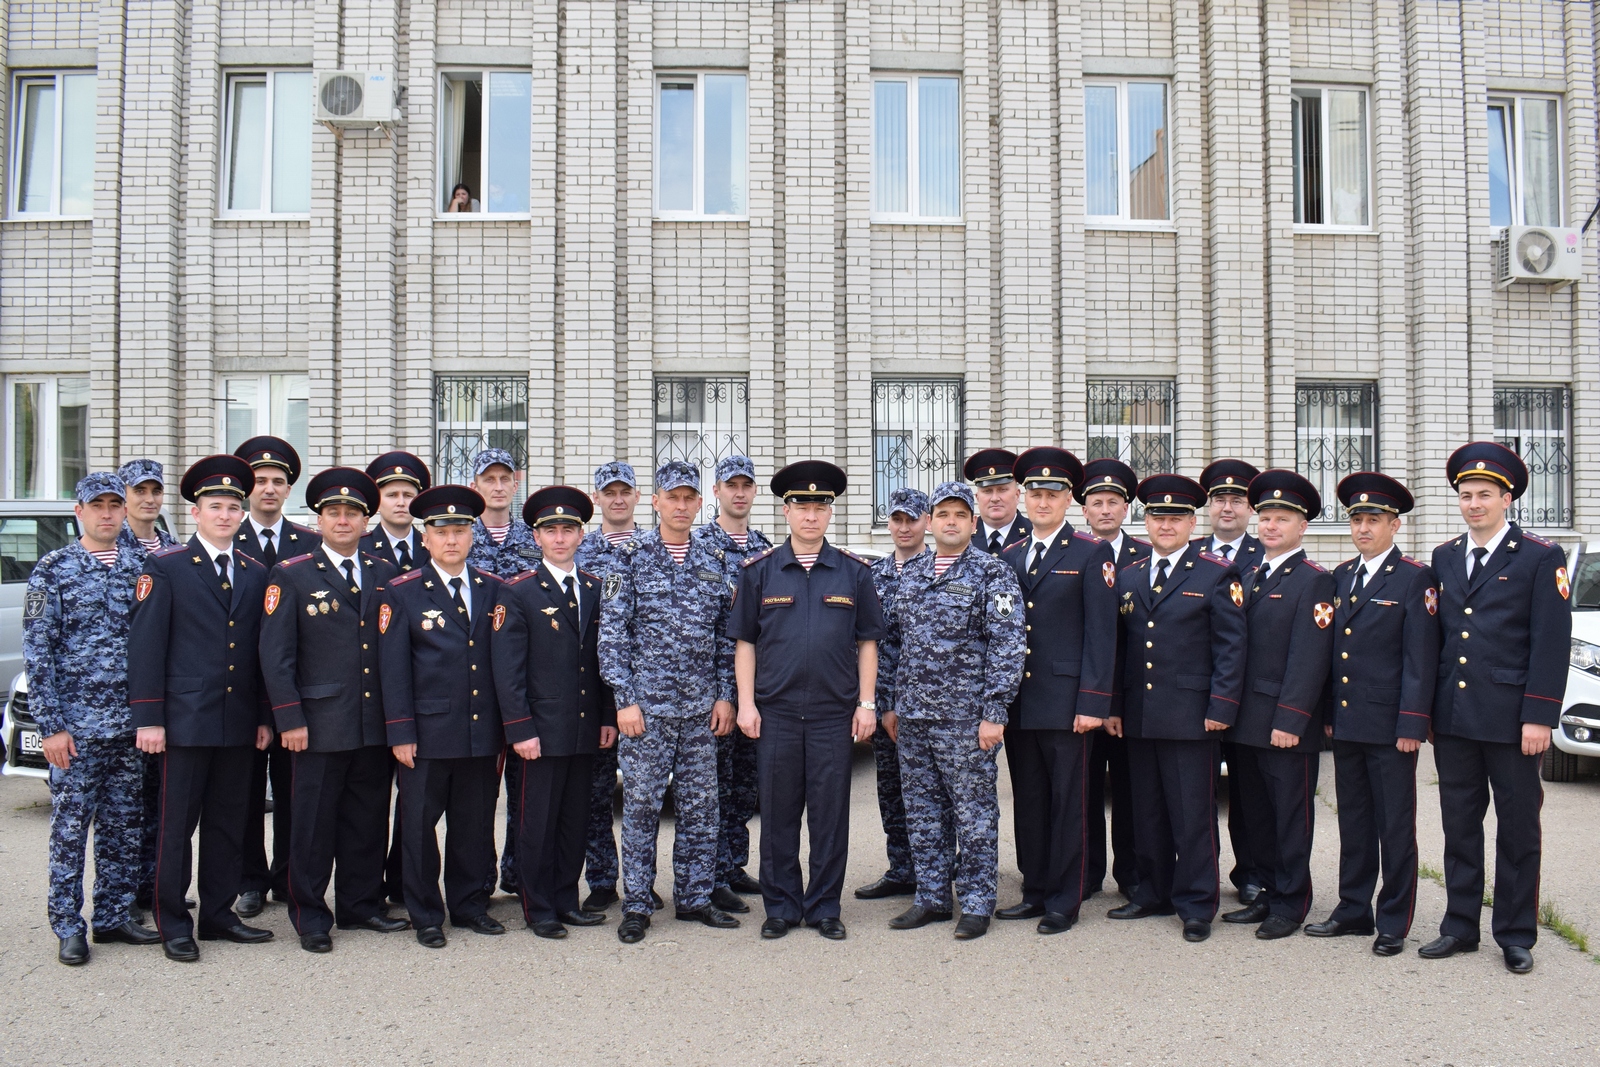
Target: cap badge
(266, 455)
(1277, 493)
(560, 510)
(344, 489)
(226, 480)
(991, 470)
(1167, 499)
(1363, 498)
(1228, 480)
(1047, 472)
(1108, 479)
(451, 509)
(811, 485)
(399, 470)
(1480, 464)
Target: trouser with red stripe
(1278, 791)
(1376, 786)
(1468, 771)
(552, 821)
(1175, 825)
(341, 825)
(208, 787)
(1049, 787)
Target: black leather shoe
(508, 886)
(431, 937)
(480, 924)
(831, 928)
(632, 928)
(1518, 959)
(885, 887)
(972, 927)
(1252, 913)
(1274, 927)
(1131, 910)
(600, 899)
(1020, 911)
(711, 915)
(316, 943)
(397, 899)
(1196, 929)
(238, 933)
(74, 951)
(181, 950)
(773, 929)
(582, 918)
(1249, 893)
(655, 900)
(1055, 923)
(741, 882)
(1388, 945)
(249, 904)
(549, 928)
(380, 924)
(917, 916)
(725, 898)
(1334, 928)
(129, 933)
(1444, 946)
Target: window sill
(909, 220)
(47, 218)
(1304, 229)
(1131, 225)
(463, 217)
(701, 218)
(264, 216)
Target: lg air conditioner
(356, 98)
(1550, 255)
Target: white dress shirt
(339, 562)
(1172, 564)
(466, 583)
(561, 577)
(213, 552)
(1492, 544)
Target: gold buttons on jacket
(367, 695)
(1344, 703)
(1027, 652)
(474, 693)
(1461, 685)
(366, 670)
(230, 622)
(1030, 603)
(1468, 611)
(1027, 674)
(1147, 685)
(1465, 635)
(1344, 655)
(1345, 680)
(1463, 659)
(1151, 624)
(1149, 666)
(474, 718)
(1028, 627)
(230, 666)
(469, 642)
(230, 688)
(363, 647)
(474, 666)
(1347, 631)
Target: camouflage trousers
(600, 854)
(736, 803)
(684, 750)
(103, 788)
(952, 813)
(892, 808)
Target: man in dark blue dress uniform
(998, 497)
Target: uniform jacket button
(1344, 655)
(368, 695)
(474, 718)
(1461, 685)
(1468, 611)
(1148, 685)
(1027, 674)
(1347, 631)
(474, 693)
(230, 688)
(1344, 703)
(1345, 679)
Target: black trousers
(1278, 787)
(393, 868)
(803, 767)
(464, 792)
(205, 787)
(1049, 790)
(274, 764)
(341, 825)
(1108, 762)
(1175, 825)
(507, 867)
(1468, 772)
(1376, 786)
(1247, 868)
(552, 823)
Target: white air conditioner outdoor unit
(1549, 254)
(356, 98)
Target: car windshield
(1586, 582)
(25, 538)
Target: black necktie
(222, 570)
(350, 575)
(1361, 583)
(455, 594)
(269, 552)
(1479, 555)
(402, 553)
(570, 588)
(994, 542)
(1226, 552)
(1038, 554)
(1161, 574)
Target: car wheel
(1559, 766)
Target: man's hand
(263, 738)
(1407, 744)
(630, 720)
(59, 749)
(151, 739)
(1213, 724)
(863, 725)
(1114, 726)
(608, 736)
(1084, 723)
(722, 718)
(406, 754)
(1535, 739)
(528, 749)
(750, 721)
(891, 725)
(990, 734)
(1284, 739)
(297, 739)
(1327, 731)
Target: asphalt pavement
(1104, 993)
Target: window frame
(881, 487)
(698, 212)
(19, 80)
(1522, 511)
(482, 187)
(520, 393)
(1515, 174)
(1323, 89)
(49, 436)
(727, 438)
(1333, 513)
(912, 217)
(269, 77)
(263, 426)
(1123, 220)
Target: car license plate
(30, 742)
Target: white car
(24, 744)
(1579, 733)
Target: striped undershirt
(108, 556)
(807, 558)
(942, 564)
(618, 538)
(498, 532)
(742, 540)
(678, 552)
(151, 544)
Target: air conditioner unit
(1549, 254)
(357, 98)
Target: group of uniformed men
(174, 681)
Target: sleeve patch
(146, 583)
(1430, 600)
(1108, 571)
(274, 598)
(1323, 614)
(33, 607)
(385, 614)
(611, 587)
(499, 616)
(1563, 586)
(1236, 593)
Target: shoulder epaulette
(296, 559)
(586, 574)
(170, 550)
(1314, 565)
(1459, 539)
(408, 576)
(493, 575)
(1136, 563)
(1415, 563)
(521, 576)
(1012, 545)
(251, 558)
(1536, 539)
(1088, 537)
(1139, 541)
(762, 555)
(1210, 557)
(629, 546)
(847, 554)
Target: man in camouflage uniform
(665, 652)
(736, 753)
(957, 619)
(75, 647)
(908, 525)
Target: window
(266, 167)
(256, 404)
(1525, 161)
(25, 540)
(1535, 422)
(53, 161)
(1335, 435)
(700, 146)
(1125, 151)
(1132, 420)
(916, 149)
(1330, 157)
(486, 141)
(916, 436)
(472, 414)
(47, 422)
(702, 420)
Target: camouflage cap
(491, 456)
(138, 471)
(953, 491)
(675, 473)
(909, 501)
(98, 484)
(735, 467)
(615, 471)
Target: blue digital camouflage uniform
(597, 556)
(960, 661)
(664, 647)
(885, 753)
(75, 649)
(736, 753)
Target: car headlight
(1585, 656)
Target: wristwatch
(865, 706)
